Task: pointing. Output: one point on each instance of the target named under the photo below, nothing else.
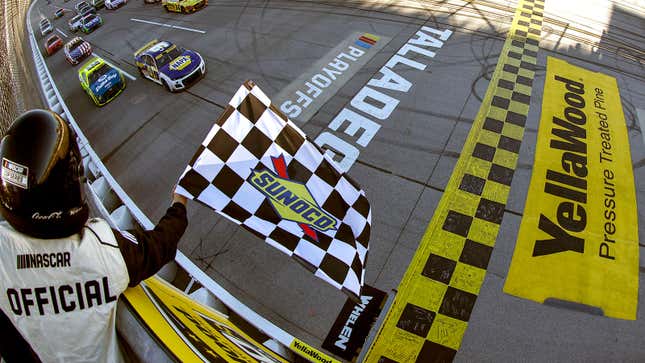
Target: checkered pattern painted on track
(431, 310)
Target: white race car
(46, 27)
(74, 23)
(114, 4)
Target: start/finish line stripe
(430, 313)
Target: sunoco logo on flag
(292, 200)
(258, 169)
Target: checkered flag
(258, 169)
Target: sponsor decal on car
(105, 82)
(180, 63)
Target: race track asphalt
(147, 135)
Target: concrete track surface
(147, 135)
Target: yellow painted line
(580, 224)
(436, 296)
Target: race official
(61, 272)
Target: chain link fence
(18, 85)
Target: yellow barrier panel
(310, 353)
(430, 312)
(190, 331)
(578, 240)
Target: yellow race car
(183, 6)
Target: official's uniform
(58, 296)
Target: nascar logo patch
(15, 174)
(292, 200)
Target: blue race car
(100, 81)
(90, 22)
(169, 65)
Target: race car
(86, 10)
(171, 66)
(114, 4)
(183, 6)
(100, 81)
(74, 23)
(76, 50)
(97, 4)
(90, 22)
(53, 44)
(45, 27)
(59, 13)
(80, 5)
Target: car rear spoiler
(148, 45)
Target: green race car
(101, 81)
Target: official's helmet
(41, 189)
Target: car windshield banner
(258, 169)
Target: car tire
(166, 86)
(166, 7)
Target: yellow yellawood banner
(310, 353)
(578, 240)
(190, 331)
